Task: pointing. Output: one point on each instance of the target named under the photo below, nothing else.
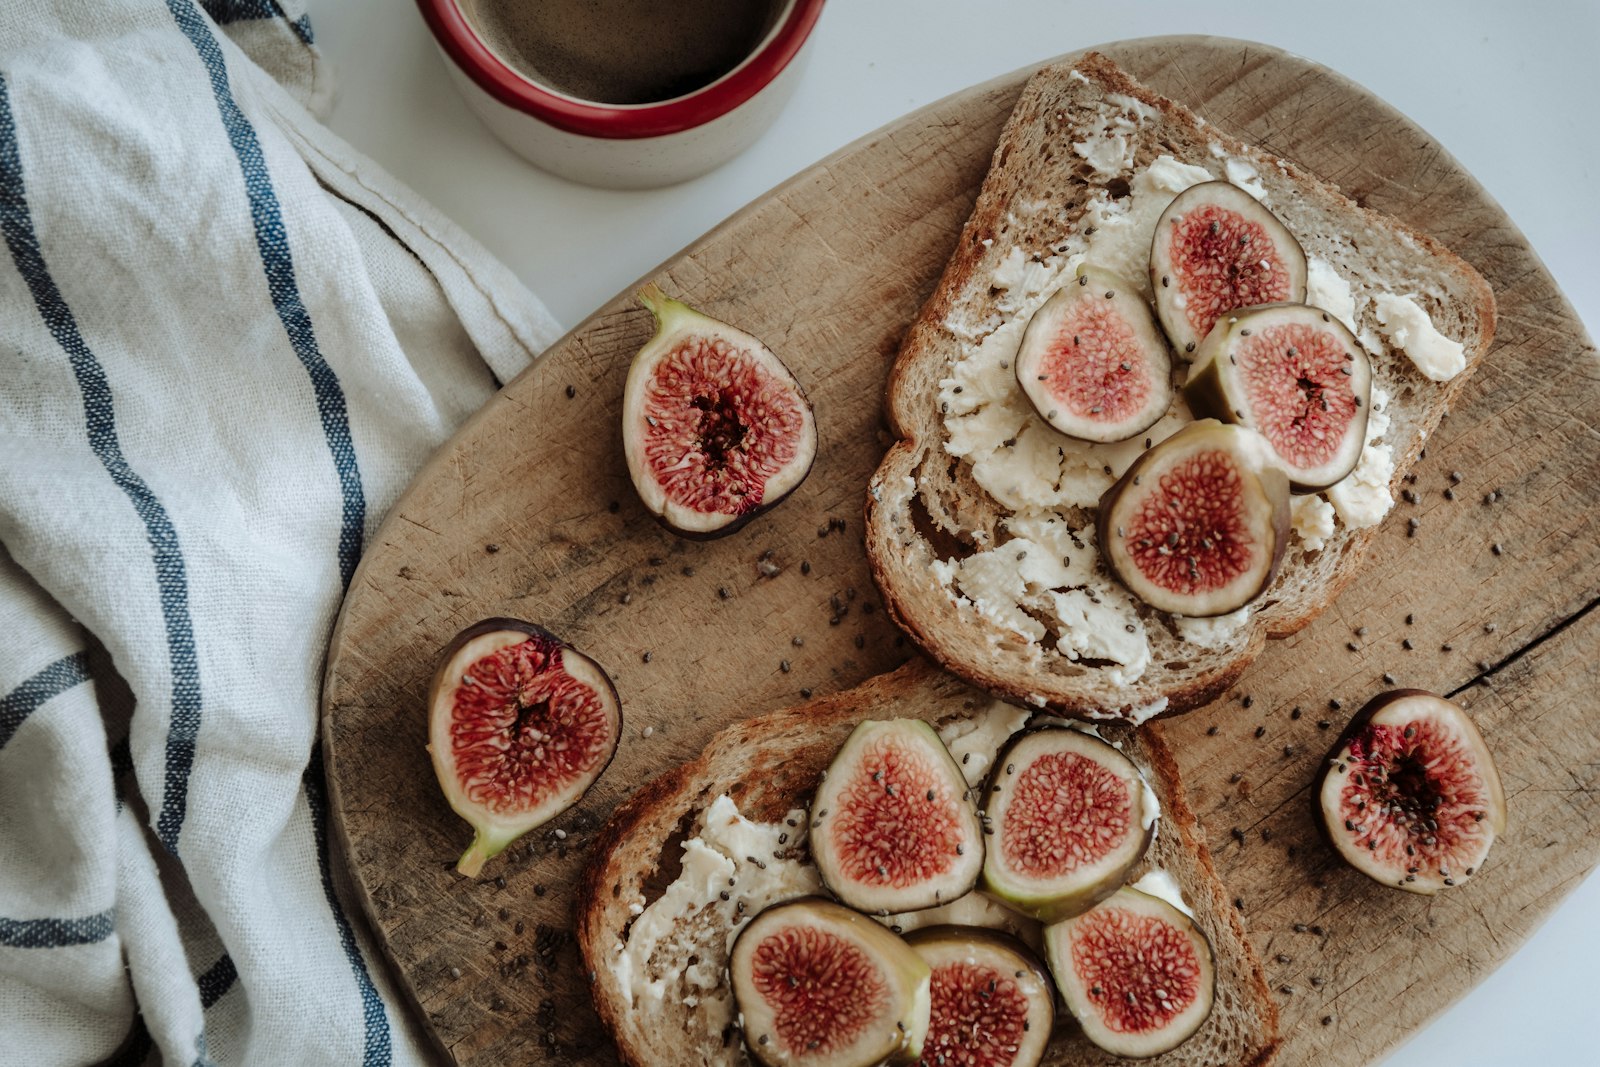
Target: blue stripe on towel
(51, 681)
(217, 980)
(273, 242)
(55, 933)
(16, 221)
(223, 12)
(378, 1049)
(278, 264)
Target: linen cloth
(226, 342)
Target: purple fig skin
(1271, 478)
(1358, 722)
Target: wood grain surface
(528, 512)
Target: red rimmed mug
(622, 145)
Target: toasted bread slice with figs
(655, 927)
(1081, 173)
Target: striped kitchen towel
(226, 343)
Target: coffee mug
(614, 93)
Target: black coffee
(622, 51)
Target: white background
(1511, 89)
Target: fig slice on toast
(1092, 361)
(1137, 973)
(1198, 525)
(1295, 374)
(993, 1005)
(1410, 796)
(1217, 248)
(1071, 817)
(892, 827)
(818, 985)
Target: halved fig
(1136, 973)
(1197, 526)
(1070, 821)
(819, 985)
(1216, 249)
(520, 725)
(1092, 361)
(892, 828)
(993, 1005)
(1409, 795)
(715, 428)
(1295, 374)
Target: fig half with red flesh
(1198, 524)
(1136, 973)
(892, 827)
(1296, 375)
(1070, 819)
(715, 428)
(1410, 795)
(993, 1005)
(520, 725)
(818, 985)
(1217, 248)
(1092, 361)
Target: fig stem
(484, 847)
(660, 304)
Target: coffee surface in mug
(622, 51)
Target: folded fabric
(226, 343)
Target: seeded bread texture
(770, 765)
(925, 508)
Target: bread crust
(771, 764)
(919, 486)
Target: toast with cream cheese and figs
(1157, 405)
(909, 870)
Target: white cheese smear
(1408, 327)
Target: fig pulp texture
(714, 427)
(520, 725)
(819, 985)
(892, 828)
(1070, 821)
(1092, 361)
(1197, 526)
(993, 1005)
(1216, 249)
(1296, 375)
(1136, 973)
(1409, 795)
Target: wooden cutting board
(528, 512)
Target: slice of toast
(655, 930)
(980, 518)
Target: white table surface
(1510, 89)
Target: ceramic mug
(625, 146)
